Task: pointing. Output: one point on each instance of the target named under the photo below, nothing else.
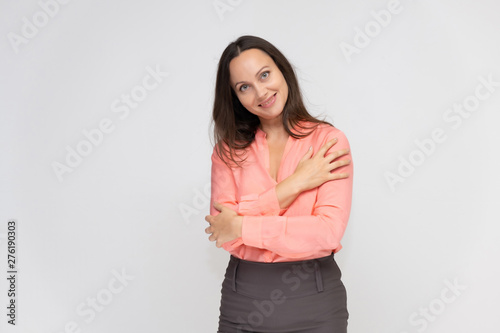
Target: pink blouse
(311, 227)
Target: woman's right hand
(312, 172)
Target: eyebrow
(260, 70)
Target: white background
(135, 205)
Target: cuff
(231, 245)
(251, 231)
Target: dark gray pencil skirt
(304, 296)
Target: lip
(272, 99)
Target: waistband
(291, 278)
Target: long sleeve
(223, 185)
(299, 236)
(224, 191)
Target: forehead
(248, 63)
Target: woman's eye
(243, 87)
(265, 75)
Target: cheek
(281, 82)
(285, 85)
(247, 98)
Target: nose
(261, 92)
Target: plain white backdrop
(105, 110)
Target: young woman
(276, 205)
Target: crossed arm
(258, 223)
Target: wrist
(295, 185)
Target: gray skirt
(304, 296)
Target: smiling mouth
(268, 101)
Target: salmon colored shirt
(311, 227)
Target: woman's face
(258, 83)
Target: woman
(276, 206)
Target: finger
(338, 153)
(220, 207)
(208, 230)
(335, 176)
(308, 154)
(339, 163)
(322, 151)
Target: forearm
(296, 235)
(287, 191)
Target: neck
(273, 128)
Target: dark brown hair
(234, 125)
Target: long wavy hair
(234, 125)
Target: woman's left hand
(225, 226)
